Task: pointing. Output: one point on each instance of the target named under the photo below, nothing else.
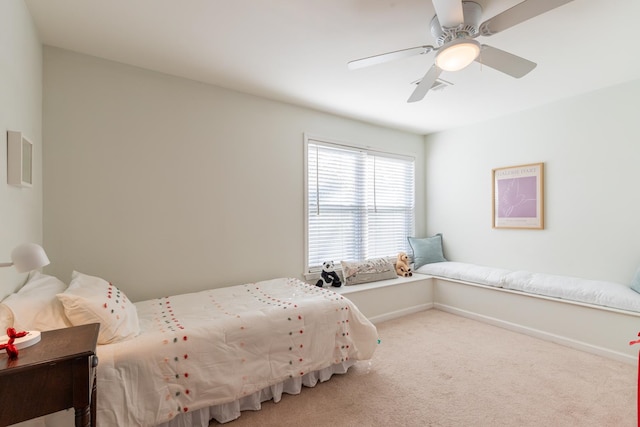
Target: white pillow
(90, 299)
(368, 271)
(35, 306)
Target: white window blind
(360, 203)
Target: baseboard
(536, 333)
(400, 313)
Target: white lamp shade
(29, 256)
(457, 54)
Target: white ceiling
(297, 51)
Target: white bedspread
(216, 346)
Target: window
(359, 203)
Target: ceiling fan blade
(505, 62)
(425, 84)
(517, 14)
(449, 12)
(390, 56)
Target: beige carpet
(437, 369)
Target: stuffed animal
(329, 276)
(404, 271)
(402, 265)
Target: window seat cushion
(595, 292)
(466, 272)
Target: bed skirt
(230, 411)
(222, 413)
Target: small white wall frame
(19, 160)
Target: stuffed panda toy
(329, 276)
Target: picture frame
(19, 160)
(518, 197)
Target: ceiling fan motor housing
(472, 13)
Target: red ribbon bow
(12, 351)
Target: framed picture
(19, 160)
(518, 196)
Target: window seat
(595, 316)
(593, 292)
(387, 299)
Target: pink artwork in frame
(518, 196)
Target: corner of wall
(20, 109)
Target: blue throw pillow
(427, 250)
(635, 283)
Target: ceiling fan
(455, 27)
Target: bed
(186, 359)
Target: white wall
(590, 148)
(164, 185)
(20, 110)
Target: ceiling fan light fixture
(457, 54)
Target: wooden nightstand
(55, 374)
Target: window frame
(313, 272)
